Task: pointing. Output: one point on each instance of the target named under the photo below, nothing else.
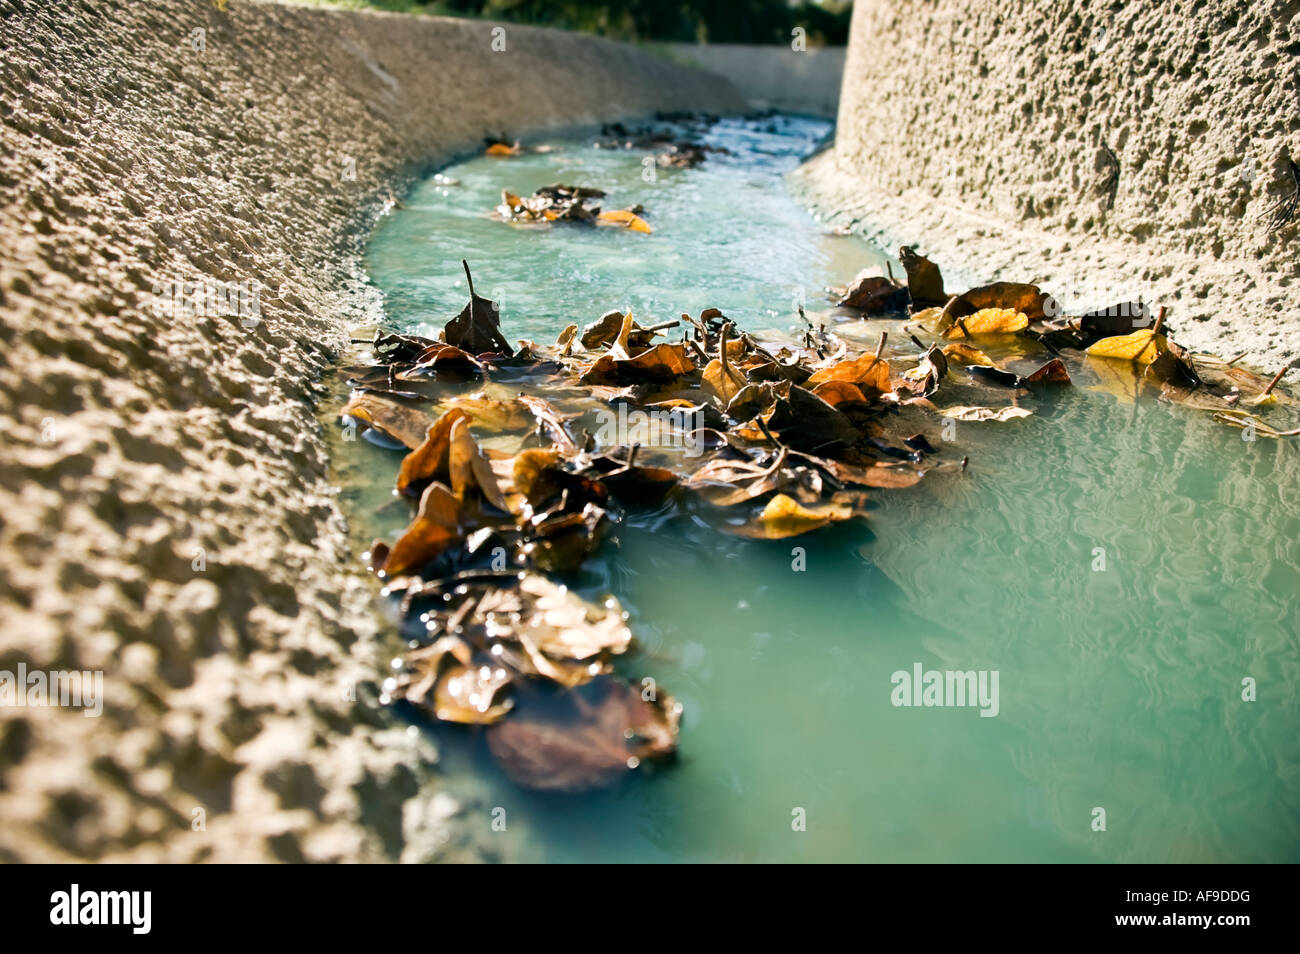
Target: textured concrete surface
(1105, 150)
(773, 77)
(165, 509)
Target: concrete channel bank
(165, 511)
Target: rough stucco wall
(979, 130)
(773, 77)
(128, 159)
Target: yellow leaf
(965, 354)
(866, 371)
(784, 517)
(1142, 346)
(989, 321)
(629, 220)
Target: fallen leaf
(629, 220)
(989, 321)
(1142, 346)
(585, 738)
(968, 413)
(785, 517)
(873, 294)
(428, 461)
(406, 425)
(965, 354)
(866, 371)
(476, 329)
(1053, 372)
(469, 469)
(924, 281)
(436, 528)
(720, 376)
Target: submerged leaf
(583, 739)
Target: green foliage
(712, 21)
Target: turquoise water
(1119, 688)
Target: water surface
(1120, 688)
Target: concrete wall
(165, 509)
(1089, 145)
(775, 77)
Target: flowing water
(1122, 565)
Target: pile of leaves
(563, 203)
(511, 490)
(1127, 347)
(512, 487)
(672, 149)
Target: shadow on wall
(772, 77)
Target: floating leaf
(785, 517)
(604, 329)
(625, 218)
(873, 294)
(1121, 319)
(929, 372)
(406, 425)
(436, 528)
(550, 420)
(965, 354)
(428, 461)
(1053, 372)
(805, 422)
(989, 321)
(469, 469)
(720, 377)
(867, 372)
(1029, 300)
(567, 626)
(837, 393)
(725, 482)
(967, 413)
(476, 329)
(1142, 346)
(924, 281)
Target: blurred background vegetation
(826, 22)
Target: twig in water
(1276, 379)
(880, 349)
